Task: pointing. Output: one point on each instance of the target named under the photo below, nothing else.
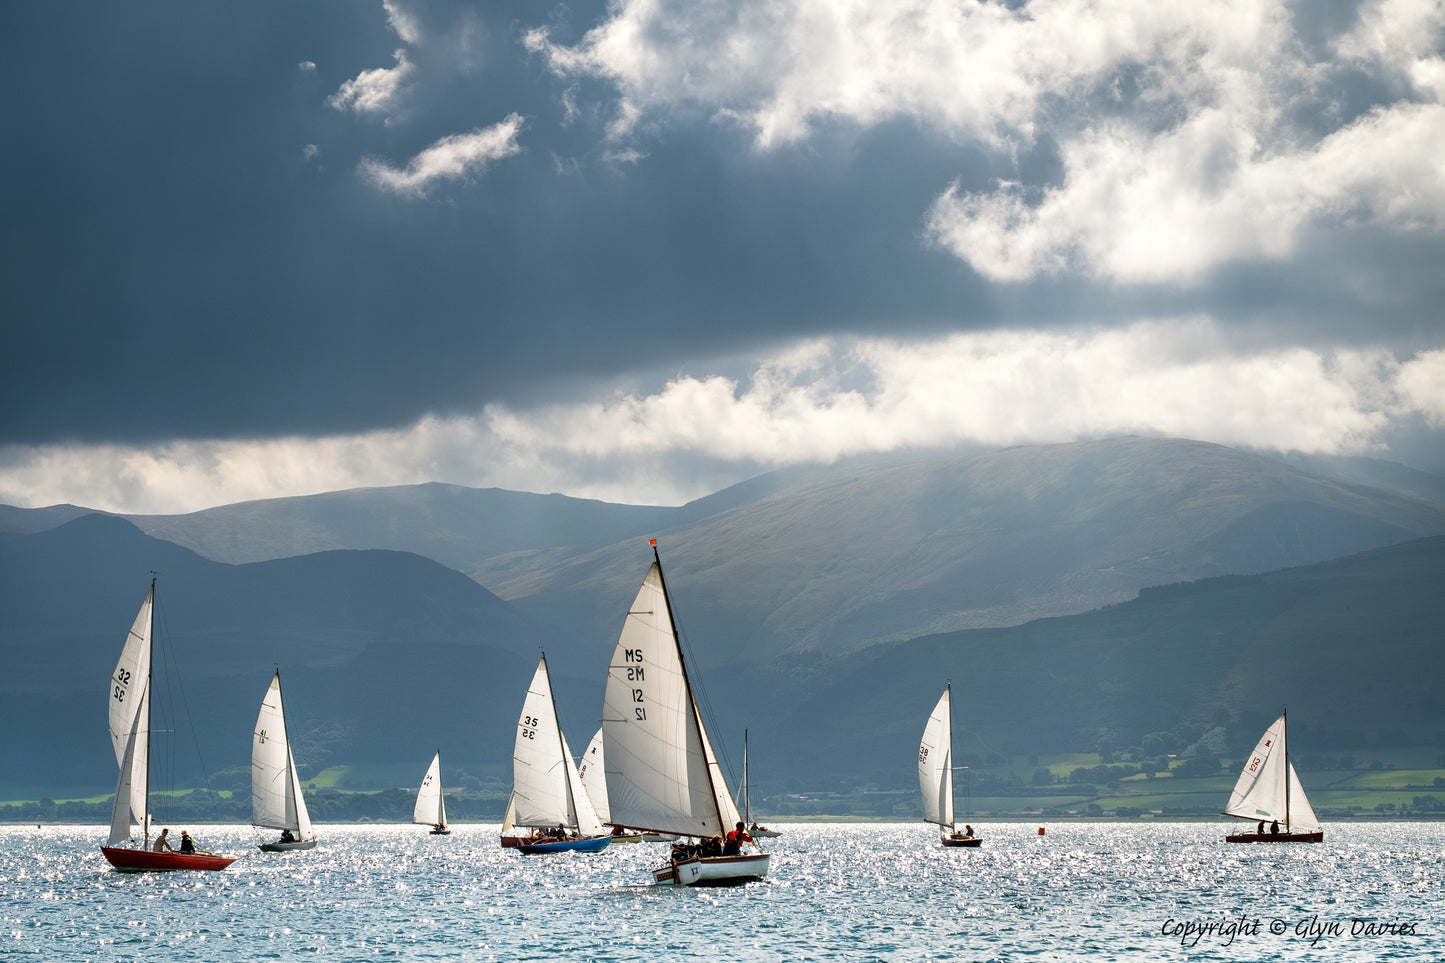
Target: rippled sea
(1099, 891)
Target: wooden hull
(1318, 837)
(713, 870)
(279, 847)
(958, 839)
(512, 842)
(591, 844)
(441, 832)
(145, 861)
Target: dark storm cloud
(192, 249)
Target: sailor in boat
(188, 845)
(1274, 828)
(162, 844)
(287, 836)
(736, 838)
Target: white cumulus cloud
(815, 402)
(451, 158)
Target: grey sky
(637, 250)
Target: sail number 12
(636, 673)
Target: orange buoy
(1041, 830)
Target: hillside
(386, 656)
(1350, 647)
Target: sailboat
(662, 774)
(935, 774)
(130, 733)
(1269, 791)
(754, 830)
(276, 800)
(547, 793)
(431, 808)
(594, 781)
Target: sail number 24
(635, 673)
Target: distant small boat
(662, 774)
(130, 733)
(431, 808)
(754, 830)
(1269, 791)
(276, 799)
(935, 775)
(547, 792)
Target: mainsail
(276, 800)
(130, 725)
(935, 764)
(431, 808)
(546, 790)
(1269, 789)
(662, 774)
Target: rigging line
(700, 696)
(174, 670)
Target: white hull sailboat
(431, 808)
(662, 774)
(130, 734)
(276, 799)
(1269, 791)
(935, 775)
(547, 793)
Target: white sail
(662, 775)
(130, 725)
(935, 764)
(1268, 788)
(1301, 814)
(276, 799)
(431, 808)
(129, 700)
(509, 821)
(546, 790)
(594, 779)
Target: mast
(286, 734)
(145, 817)
(562, 750)
(948, 691)
(747, 791)
(687, 681)
(1284, 738)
